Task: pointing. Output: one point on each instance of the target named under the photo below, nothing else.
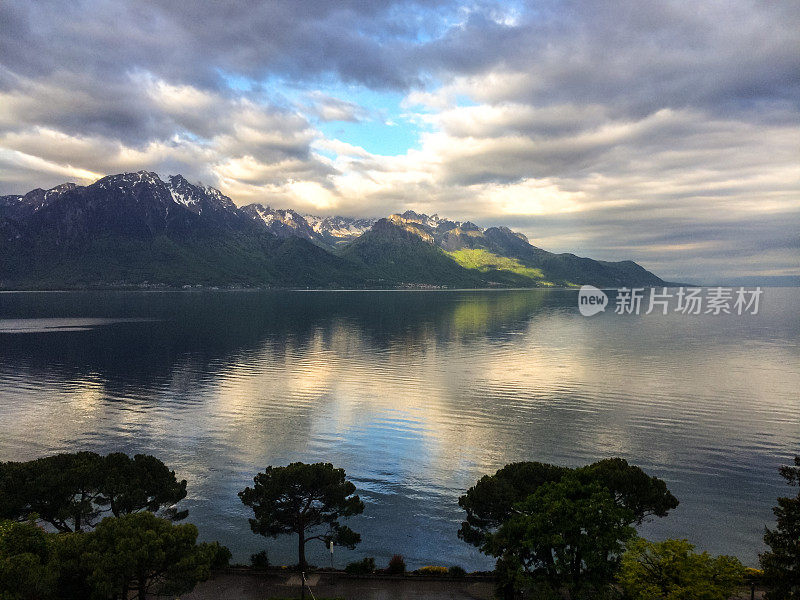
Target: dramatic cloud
(667, 132)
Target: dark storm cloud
(92, 68)
(632, 57)
(190, 42)
(637, 56)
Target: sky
(666, 132)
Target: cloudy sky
(665, 132)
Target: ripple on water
(415, 407)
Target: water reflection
(416, 394)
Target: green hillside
(393, 255)
(499, 269)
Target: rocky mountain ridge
(136, 228)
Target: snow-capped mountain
(324, 231)
(283, 223)
(338, 230)
(198, 198)
(132, 228)
(135, 229)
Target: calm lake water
(415, 394)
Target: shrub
(24, 556)
(295, 598)
(260, 560)
(751, 574)
(431, 570)
(456, 571)
(362, 567)
(397, 566)
(672, 569)
(781, 563)
(220, 555)
(142, 552)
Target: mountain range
(135, 229)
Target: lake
(416, 394)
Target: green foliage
(567, 533)
(397, 566)
(432, 570)
(25, 572)
(260, 560)
(140, 483)
(501, 269)
(552, 526)
(672, 570)
(144, 554)
(643, 495)
(511, 577)
(71, 491)
(61, 490)
(230, 258)
(752, 575)
(137, 554)
(490, 502)
(393, 255)
(22, 538)
(456, 571)
(303, 499)
(219, 555)
(365, 566)
(72, 572)
(781, 564)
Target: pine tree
(782, 563)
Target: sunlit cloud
(672, 126)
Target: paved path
(252, 586)
(247, 586)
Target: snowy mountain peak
(433, 221)
(339, 227)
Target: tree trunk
(301, 551)
(301, 555)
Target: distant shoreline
(276, 289)
(193, 289)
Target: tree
(143, 554)
(306, 500)
(644, 495)
(69, 566)
(60, 490)
(491, 500)
(672, 570)
(133, 554)
(142, 483)
(25, 573)
(781, 564)
(567, 533)
(72, 491)
(495, 500)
